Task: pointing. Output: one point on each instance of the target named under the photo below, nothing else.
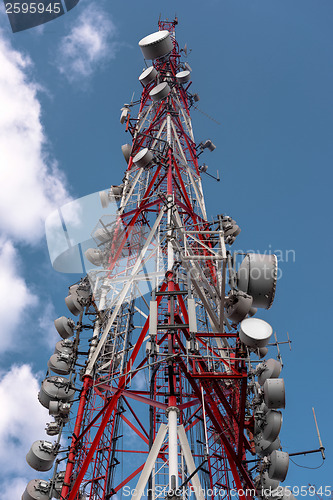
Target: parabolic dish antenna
(64, 347)
(156, 45)
(37, 489)
(267, 482)
(271, 369)
(148, 75)
(160, 91)
(272, 426)
(126, 150)
(264, 447)
(143, 158)
(255, 332)
(41, 455)
(279, 465)
(64, 326)
(73, 305)
(274, 393)
(60, 363)
(183, 76)
(257, 276)
(55, 389)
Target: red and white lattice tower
(157, 391)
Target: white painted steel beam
(198, 491)
(150, 462)
(122, 295)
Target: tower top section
(168, 25)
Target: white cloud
(18, 305)
(31, 185)
(46, 324)
(140, 381)
(13, 488)
(22, 421)
(89, 44)
(15, 297)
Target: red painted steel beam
(110, 406)
(137, 397)
(93, 447)
(242, 418)
(132, 426)
(77, 429)
(217, 419)
(132, 222)
(128, 479)
(135, 416)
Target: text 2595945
(32, 8)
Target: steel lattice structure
(166, 311)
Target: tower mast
(166, 400)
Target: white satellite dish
(274, 393)
(272, 425)
(255, 332)
(238, 306)
(55, 389)
(279, 464)
(60, 409)
(156, 45)
(126, 149)
(264, 447)
(183, 76)
(148, 76)
(266, 482)
(60, 363)
(159, 92)
(41, 455)
(262, 351)
(143, 158)
(37, 489)
(95, 256)
(64, 326)
(73, 304)
(64, 347)
(102, 234)
(268, 369)
(257, 276)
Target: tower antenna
(161, 378)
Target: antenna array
(162, 382)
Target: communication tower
(162, 381)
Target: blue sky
(263, 69)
